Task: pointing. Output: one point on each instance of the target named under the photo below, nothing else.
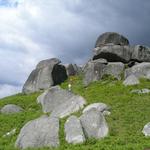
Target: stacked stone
(111, 54)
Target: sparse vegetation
(129, 114)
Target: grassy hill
(129, 114)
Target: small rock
(98, 106)
(41, 132)
(106, 113)
(131, 80)
(94, 124)
(73, 130)
(146, 129)
(10, 109)
(142, 91)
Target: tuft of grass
(129, 113)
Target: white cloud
(7, 90)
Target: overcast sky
(32, 30)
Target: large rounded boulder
(111, 38)
(41, 132)
(94, 124)
(48, 72)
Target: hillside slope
(129, 114)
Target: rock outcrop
(47, 73)
(60, 102)
(11, 109)
(112, 54)
(41, 132)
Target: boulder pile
(58, 103)
(114, 56)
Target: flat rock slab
(146, 129)
(11, 109)
(113, 53)
(131, 80)
(125, 54)
(60, 102)
(41, 132)
(94, 124)
(73, 130)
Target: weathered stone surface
(93, 71)
(146, 129)
(41, 132)
(73, 130)
(131, 80)
(141, 53)
(114, 69)
(125, 54)
(98, 106)
(60, 102)
(141, 91)
(73, 69)
(147, 75)
(47, 62)
(94, 124)
(47, 73)
(140, 70)
(10, 109)
(113, 53)
(111, 37)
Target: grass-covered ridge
(129, 114)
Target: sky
(33, 30)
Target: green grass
(129, 114)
